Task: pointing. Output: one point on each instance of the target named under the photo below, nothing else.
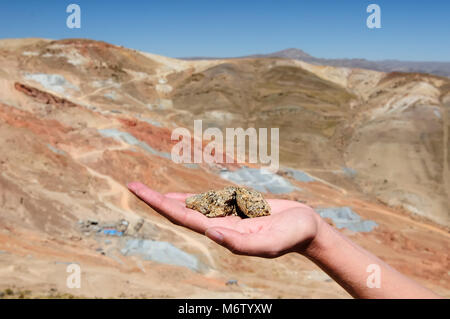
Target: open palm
(291, 226)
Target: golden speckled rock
(251, 203)
(214, 203)
(231, 200)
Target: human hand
(291, 227)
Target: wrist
(321, 241)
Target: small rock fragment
(236, 201)
(214, 203)
(251, 203)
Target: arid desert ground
(81, 118)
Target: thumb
(237, 242)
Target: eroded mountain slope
(79, 119)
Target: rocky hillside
(80, 118)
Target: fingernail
(214, 235)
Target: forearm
(290, 225)
(347, 264)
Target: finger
(278, 205)
(179, 196)
(170, 208)
(240, 243)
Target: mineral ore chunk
(231, 200)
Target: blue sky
(411, 30)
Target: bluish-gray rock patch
(55, 150)
(162, 252)
(54, 82)
(130, 139)
(299, 175)
(261, 180)
(350, 172)
(112, 95)
(345, 217)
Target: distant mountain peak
(435, 68)
(291, 53)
